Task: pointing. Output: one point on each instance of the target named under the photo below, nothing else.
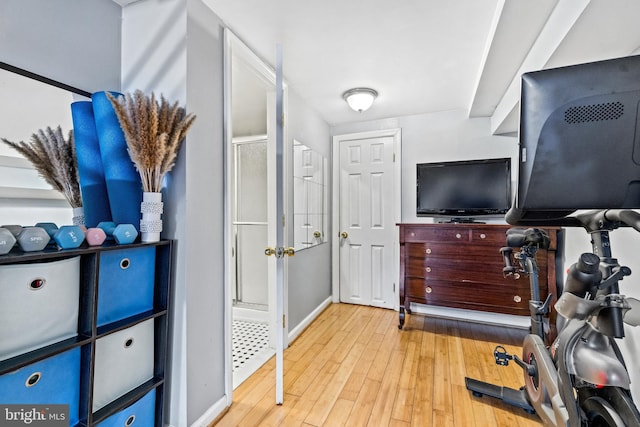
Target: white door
(369, 206)
(270, 92)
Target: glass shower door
(250, 223)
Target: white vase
(78, 216)
(151, 222)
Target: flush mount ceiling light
(360, 98)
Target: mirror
(31, 102)
(309, 196)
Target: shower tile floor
(250, 348)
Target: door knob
(279, 252)
(317, 234)
(344, 234)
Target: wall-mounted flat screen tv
(468, 188)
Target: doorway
(251, 283)
(366, 209)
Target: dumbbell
(7, 240)
(32, 239)
(13, 228)
(108, 227)
(123, 234)
(95, 236)
(49, 227)
(69, 236)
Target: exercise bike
(580, 379)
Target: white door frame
(396, 134)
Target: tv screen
(579, 140)
(464, 188)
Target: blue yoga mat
(123, 181)
(93, 187)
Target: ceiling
(425, 56)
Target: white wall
(76, 43)
(175, 47)
(434, 137)
(309, 271)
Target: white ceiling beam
(485, 57)
(564, 16)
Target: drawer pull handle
(128, 343)
(33, 379)
(412, 234)
(458, 235)
(428, 289)
(37, 284)
(428, 251)
(517, 298)
(125, 263)
(428, 269)
(483, 236)
(130, 421)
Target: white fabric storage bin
(38, 304)
(123, 361)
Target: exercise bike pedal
(501, 356)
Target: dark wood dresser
(460, 266)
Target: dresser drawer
(465, 271)
(511, 299)
(439, 234)
(457, 251)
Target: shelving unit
(117, 364)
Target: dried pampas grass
(154, 131)
(54, 157)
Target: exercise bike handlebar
(593, 220)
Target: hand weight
(108, 227)
(33, 239)
(69, 237)
(95, 236)
(125, 234)
(7, 240)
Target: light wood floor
(354, 367)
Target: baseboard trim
(488, 318)
(295, 332)
(212, 414)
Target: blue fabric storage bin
(140, 414)
(125, 283)
(55, 380)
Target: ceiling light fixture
(360, 98)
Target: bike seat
(519, 237)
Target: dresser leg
(401, 324)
